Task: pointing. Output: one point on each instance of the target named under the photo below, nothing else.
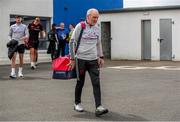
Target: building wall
(126, 33)
(147, 3)
(73, 11)
(42, 8)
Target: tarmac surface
(131, 90)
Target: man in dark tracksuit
(90, 58)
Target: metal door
(106, 39)
(165, 39)
(146, 39)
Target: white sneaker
(100, 110)
(12, 75)
(78, 107)
(20, 74)
(33, 67)
(36, 63)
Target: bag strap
(83, 26)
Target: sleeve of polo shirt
(26, 32)
(10, 33)
(99, 46)
(73, 40)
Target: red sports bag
(60, 67)
(61, 70)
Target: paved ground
(130, 92)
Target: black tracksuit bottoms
(93, 69)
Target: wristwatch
(102, 57)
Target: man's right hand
(72, 64)
(24, 39)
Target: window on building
(45, 21)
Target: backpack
(83, 26)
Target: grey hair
(62, 23)
(90, 10)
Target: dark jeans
(61, 49)
(52, 49)
(93, 69)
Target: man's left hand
(101, 62)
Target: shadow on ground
(25, 78)
(111, 116)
